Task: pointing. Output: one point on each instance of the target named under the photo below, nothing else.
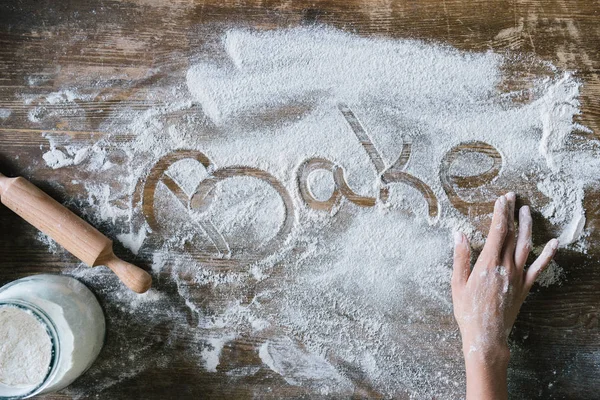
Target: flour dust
(342, 290)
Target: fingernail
(554, 244)
(510, 196)
(524, 210)
(458, 237)
(501, 200)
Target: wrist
(486, 372)
(486, 356)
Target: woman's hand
(488, 298)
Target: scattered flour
(300, 367)
(5, 113)
(70, 155)
(133, 240)
(25, 348)
(56, 105)
(566, 207)
(56, 159)
(345, 288)
(47, 241)
(212, 352)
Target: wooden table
(47, 45)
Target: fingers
(508, 252)
(462, 260)
(498, 229)
(540, 264)
(523, 246)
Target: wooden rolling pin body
(74, 234)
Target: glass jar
(72, 319)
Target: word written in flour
(393, 174)
(204, 195)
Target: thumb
(462, 260)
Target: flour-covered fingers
(540, 264)
(508, 252)
(462, 260)
(497, 233)
(523, 246)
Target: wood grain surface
(120, 49)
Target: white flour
(25, 348)
(300, 368)
(5, 113)
(211, 354)
(348, 290)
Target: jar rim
(44, 319)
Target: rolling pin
(71, 232)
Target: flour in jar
(25, 348)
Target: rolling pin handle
(132, 276)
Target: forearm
(487, 374)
